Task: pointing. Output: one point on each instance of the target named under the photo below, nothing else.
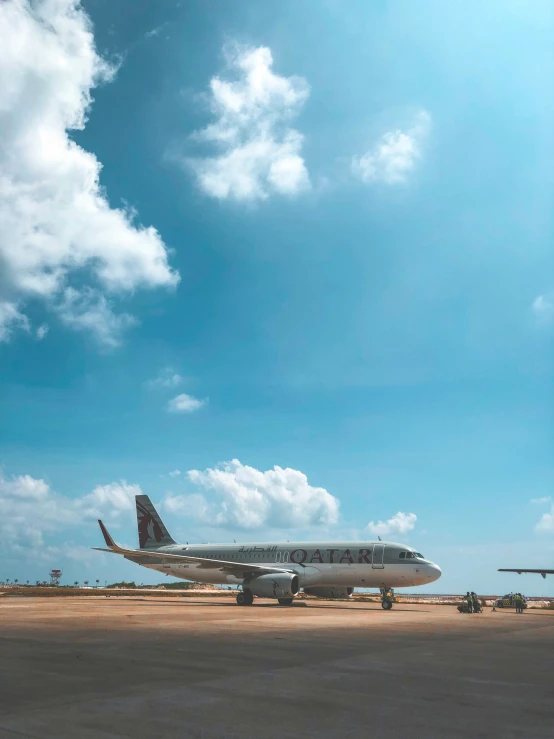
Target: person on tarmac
(469, 600)
(476, 604)
(519, 602)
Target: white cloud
(155, 31)
(543, 309)
(11, 318)
(542, 304)
(167, 378)
(184, 404)
(546, 521)
(116, 498)
(395, 155)
(30, 508)
(55, 219)
(400, 523)
(89, 310)
(249, 498)
(24, 487)
(42, 331)
(258, 153)
(541, 501)
(175, 473)
(194, 506)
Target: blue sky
(350, 278)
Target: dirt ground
(106, 668)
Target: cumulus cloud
(546, 521)
(541, 501)
(57, 226)
(175, 473)
(184, 404)
(400, 523)
(23, 487)
(30, 508)
(257, 152)
(250, 499)
(395, 155)
(167, 378)
(115, 498)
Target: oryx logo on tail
(148, 527)
(151, 530)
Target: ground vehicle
(508, 601)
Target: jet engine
(279, 585)
(330, 592)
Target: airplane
(276, 570)
(543, 573)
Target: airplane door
(378, 557)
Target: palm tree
(97, 583)
(86, 582)
(76, 583)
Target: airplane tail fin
(151, 530)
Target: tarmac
(198, 668)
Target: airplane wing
(543, 573)
(238, 567)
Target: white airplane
(280, 570)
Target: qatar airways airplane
(280, 570)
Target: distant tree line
(165, 585)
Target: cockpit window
(410, 555)
(402, 555)
(418, 554)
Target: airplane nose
(434, 572)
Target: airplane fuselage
(366, 564)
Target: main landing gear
(245, 598)
(285, 601)
(387, 598)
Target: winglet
(107, 538)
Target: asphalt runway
(208, 669)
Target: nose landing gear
(387, 598)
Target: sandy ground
(207, 669)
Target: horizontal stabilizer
(105, 533)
